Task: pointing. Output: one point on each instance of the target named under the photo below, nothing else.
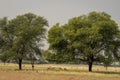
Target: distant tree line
(88, 38)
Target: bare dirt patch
(44, 76)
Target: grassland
(57, 72)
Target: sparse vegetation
(57, 72)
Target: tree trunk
(106, 67)
(4, 62)
(90, 62)
(90, 66)
(32, 62)
(33, 66)
(20, 64)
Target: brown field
(57, 72)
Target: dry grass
(57, 72)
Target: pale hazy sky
(59, 10)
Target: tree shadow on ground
(107, 72)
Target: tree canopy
(85, 37)
(22, 35)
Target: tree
(34, 55)
(107, 61)
(86, 36)
(58, 45)
(5, 40)
(4, 57)
(27, 31)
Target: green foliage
(107, 60)
(85, 37)
(4, 57)
(22, 35)
(57, 58)
(56, 38)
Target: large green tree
(86, 37)
(26, 32)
